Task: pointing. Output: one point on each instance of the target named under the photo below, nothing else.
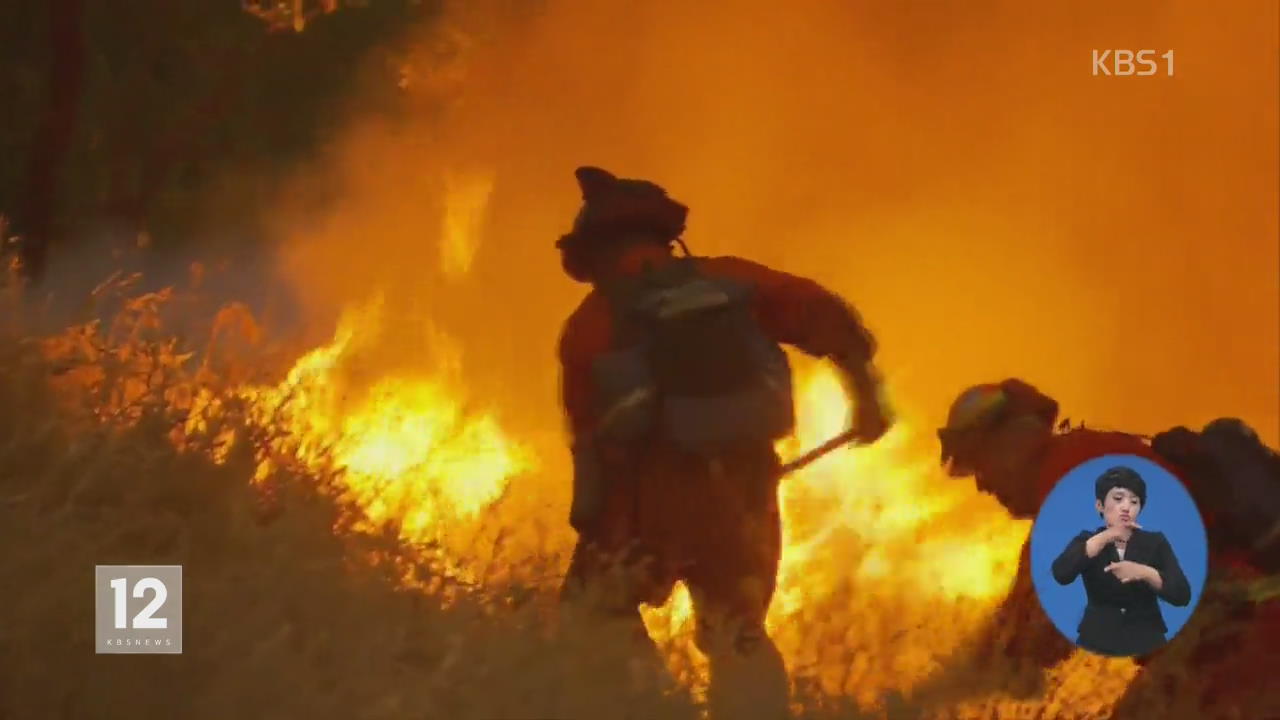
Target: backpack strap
(625, 296)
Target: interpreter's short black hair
(1121, 477)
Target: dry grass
(284, 617)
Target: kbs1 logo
(138, 608)
(1125, 63)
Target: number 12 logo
(138, 608)
(142, 620)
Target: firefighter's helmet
(613, 206)
(973, 410)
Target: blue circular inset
(1069, 509)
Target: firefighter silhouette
(676, 388)
(1007, 436)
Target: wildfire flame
(875, 539)
(466, 197)
(877, 544)
(887, 566)
(410, 450)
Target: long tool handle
(840, 440)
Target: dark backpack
(1236, 477)
(691, 364)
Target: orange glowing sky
(990, 206)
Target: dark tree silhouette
(34, 216)
(178, 118)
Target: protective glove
(871, 415)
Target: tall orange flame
(409, 449)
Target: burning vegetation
(888, 566)
(374, 523)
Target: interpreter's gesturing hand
(1127, 571)
(1096, 543)
(1125, 531)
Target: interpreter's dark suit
(1123, 619)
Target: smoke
(956, 170)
